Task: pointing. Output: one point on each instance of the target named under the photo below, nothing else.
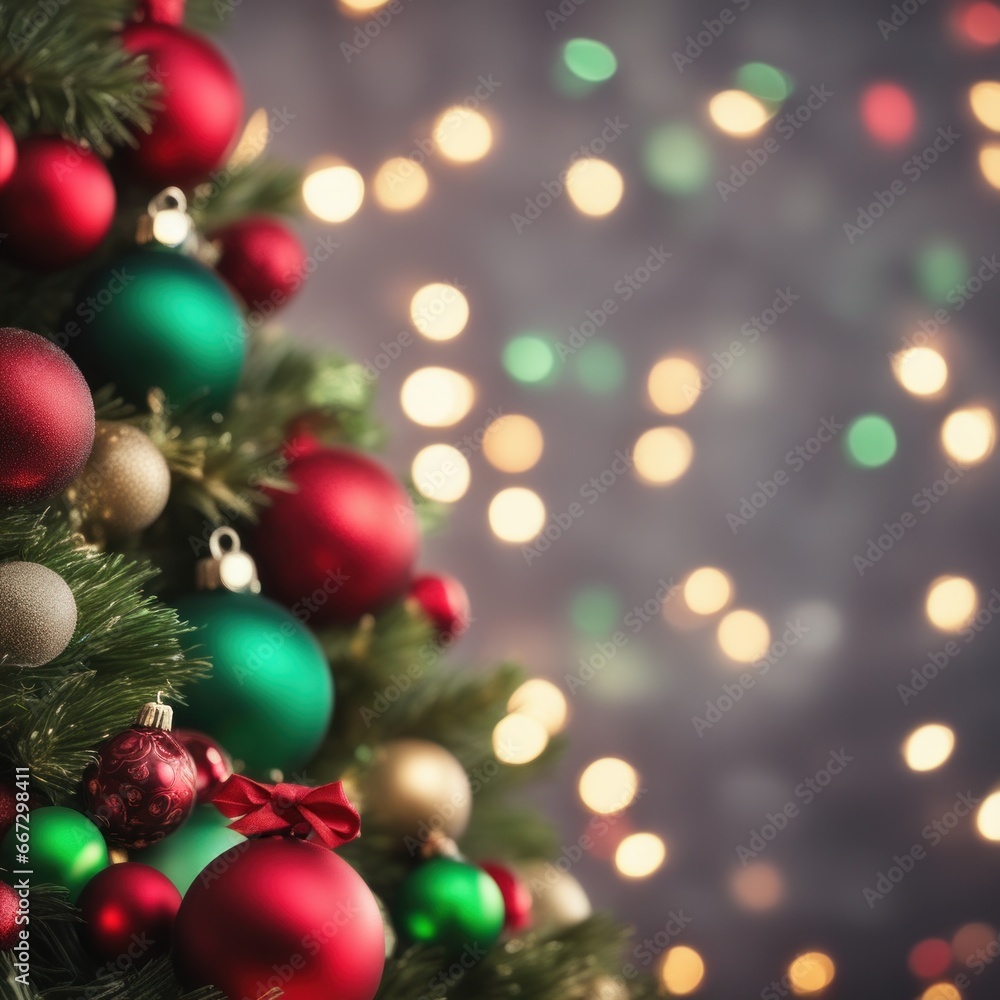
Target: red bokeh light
(978, 23)
(888, 113)
(930, 958)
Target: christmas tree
(192, 532)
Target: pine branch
(259, 186)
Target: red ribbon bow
(293, 809)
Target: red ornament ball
(201, 105)
(444, 601)
(57, 207)
(285, 913)
(141, 788)
(516, 896)
(8, 807)
(212, 764)
(9, 928)
(8, 153)
(340, 546)
(126, 903)
(263, 260)
(46, 418)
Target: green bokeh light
(764, 81)
(600, 367)
(676, 159)
(870, 440)
(595, 610)
(529, 357)
(589, 59)
(941, 266)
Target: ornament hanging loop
(228, 566)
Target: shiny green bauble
(269, 699)
(158, 319)
(449, 903)
(64, 848)
(205, 838)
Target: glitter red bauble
(444, 601)
(516, 896)
(212, 764)
(9, 929)
(283, 913)
(141, 788)
(263, 260)
(57, 207)
(8, 807)
(198, 109)
(342, 544)
(8, 153)
(46, 418)
(128, 911)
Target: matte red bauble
(211, 762)
(281, 901)
(8, 153)
(9, 930)
(126, 903)
(200, 105)
(444, 601)
(343, 544)
(58, 205)
(263, 260)
(516, 896)
(46, 418)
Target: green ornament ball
(449, 903)
(64, 848)
(157, 318)
(203, 839)
(269, 698)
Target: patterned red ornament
(9, 929)
(212, 764)
(57, 207)
(199, 107)
(8, 153)
(125, 905)
(46, 418)
(263, 260)
(516, 896)
(142, 786)
(444, 601)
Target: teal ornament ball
(64, 849)
(449, 903)
(156, 318)
(204, 842)
(269, 698)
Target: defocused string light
(519, 739)
(542, 700)
(334, 192)
(707, 590)
(758, 886)
(673, 385)
(594, 186)
(951, 603)
(989, 163)
(984, 98)
(462, 135)
(640, 855)
(600, 367)
(662, 455)
(529, 357)
(516, 514)
(810, 973)
(676, 159)
(979, 23)
(361, 7)
(988, 817)
(589, 59)
(743, 636)
(928, 747)
(941, 266)
(400, 184)
(681, 970)
(870, 441)
(888, 113)
(929, 958)
(969, 435)
(737, 113)
(920, 370)
(609, 785)
(252, 141)
(764, 81)
(436, 397)
(595, 610)
(970, 938)
(441, 472)
(439, 311)
(941, 991)
(513, 443)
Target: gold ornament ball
(37, 614)
(558, 899)
(415, 789)
(125, 484)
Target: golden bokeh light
(968, 435)
(941, 991)
(662, 455)
(707, 590)
(516, 514)
(436, 397)
(743, 636)
(682, 970)
(989, 163)
(439, 311)
(462, 135)
(333, 193)
(513, 443)
(757, 886)
(252, 141)
(608, 785)
(920, 370)
(988, 817)
(951, 603)
(594, 186)
(810, 973)
(928, 747)
(639, 855)
(542, 700)
(441, 472)
(359, 8)
(673, 385)
(736, 112)
(400, 184)
(984, 98)
(519, 739)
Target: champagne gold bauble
(125, 485)
(37, 614)
(416, 789)
(558, 898)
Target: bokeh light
(673, 385)
(441, 472)
(811, 973)
(757, 886)
(439, 311)
(920, 370)
(764, 81)
(707, 590)
(513, 443)
(929, 958)
(400, 184)
(594, 186)
(462, 135)
(333, 192)
(888, 113)
(519, 739)
(600, 367)
(529, 357)
(743, 636)
(979, 23)
(589, 59)
(436, 397)
(681, 970)
(941, 266)
(984, 99)
(359, 8)
(541, 700)
(988, 817)
(516, 514)
(639, 855)
(971, 937)
(870, 441)
(941, 991)
(662, 455)
(968, 435)
(595, 610)
(676, 159)
(608, 785)
(951, 603)
(989, 163)
(928, 747)
(737, 113)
